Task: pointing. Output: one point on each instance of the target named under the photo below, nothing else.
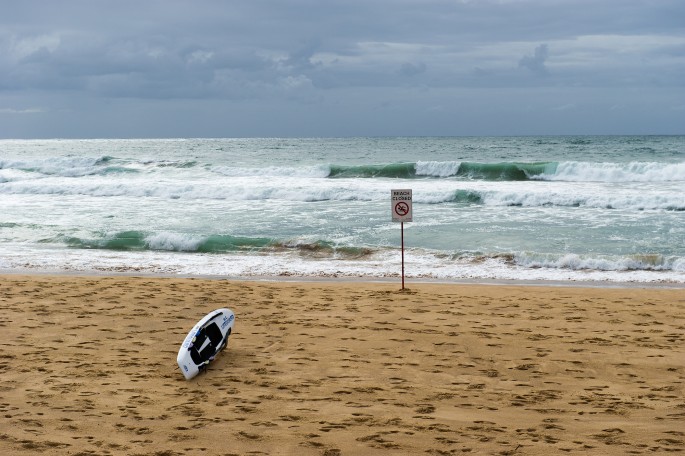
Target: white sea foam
(437, 169)
(244, 189)
(598, 263)
(635, 200)
(262, 189)
(317, 171)
(581, 221)
(173, 242)
(69, 166)
(617, 172)
(382, 265)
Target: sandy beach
(88, 367)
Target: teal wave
(105, 159)
(467, 196)
(226, 243)
(505, 171)
(140, 240)
(114, 170)
(125, 240)
(392, 170)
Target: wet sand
(88, 367)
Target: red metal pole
(402, 229)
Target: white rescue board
(207, 338)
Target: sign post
(401, 209)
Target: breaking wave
(645, 262)
(571, 171)
(672, 201)
(616, 172)
(320, 249)
(174, 242)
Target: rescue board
(207, 338)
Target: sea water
(581, 208)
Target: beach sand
(88, 367)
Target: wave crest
(218, 243)
(645, 262)
(616, 172)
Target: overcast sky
(243, 68)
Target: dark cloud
(412, 69)
(536, 62)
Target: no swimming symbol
(401, 208)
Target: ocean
(557, 208)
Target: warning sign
(400, 204)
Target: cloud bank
(338, 68)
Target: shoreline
(361, 279)
(331, 368)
